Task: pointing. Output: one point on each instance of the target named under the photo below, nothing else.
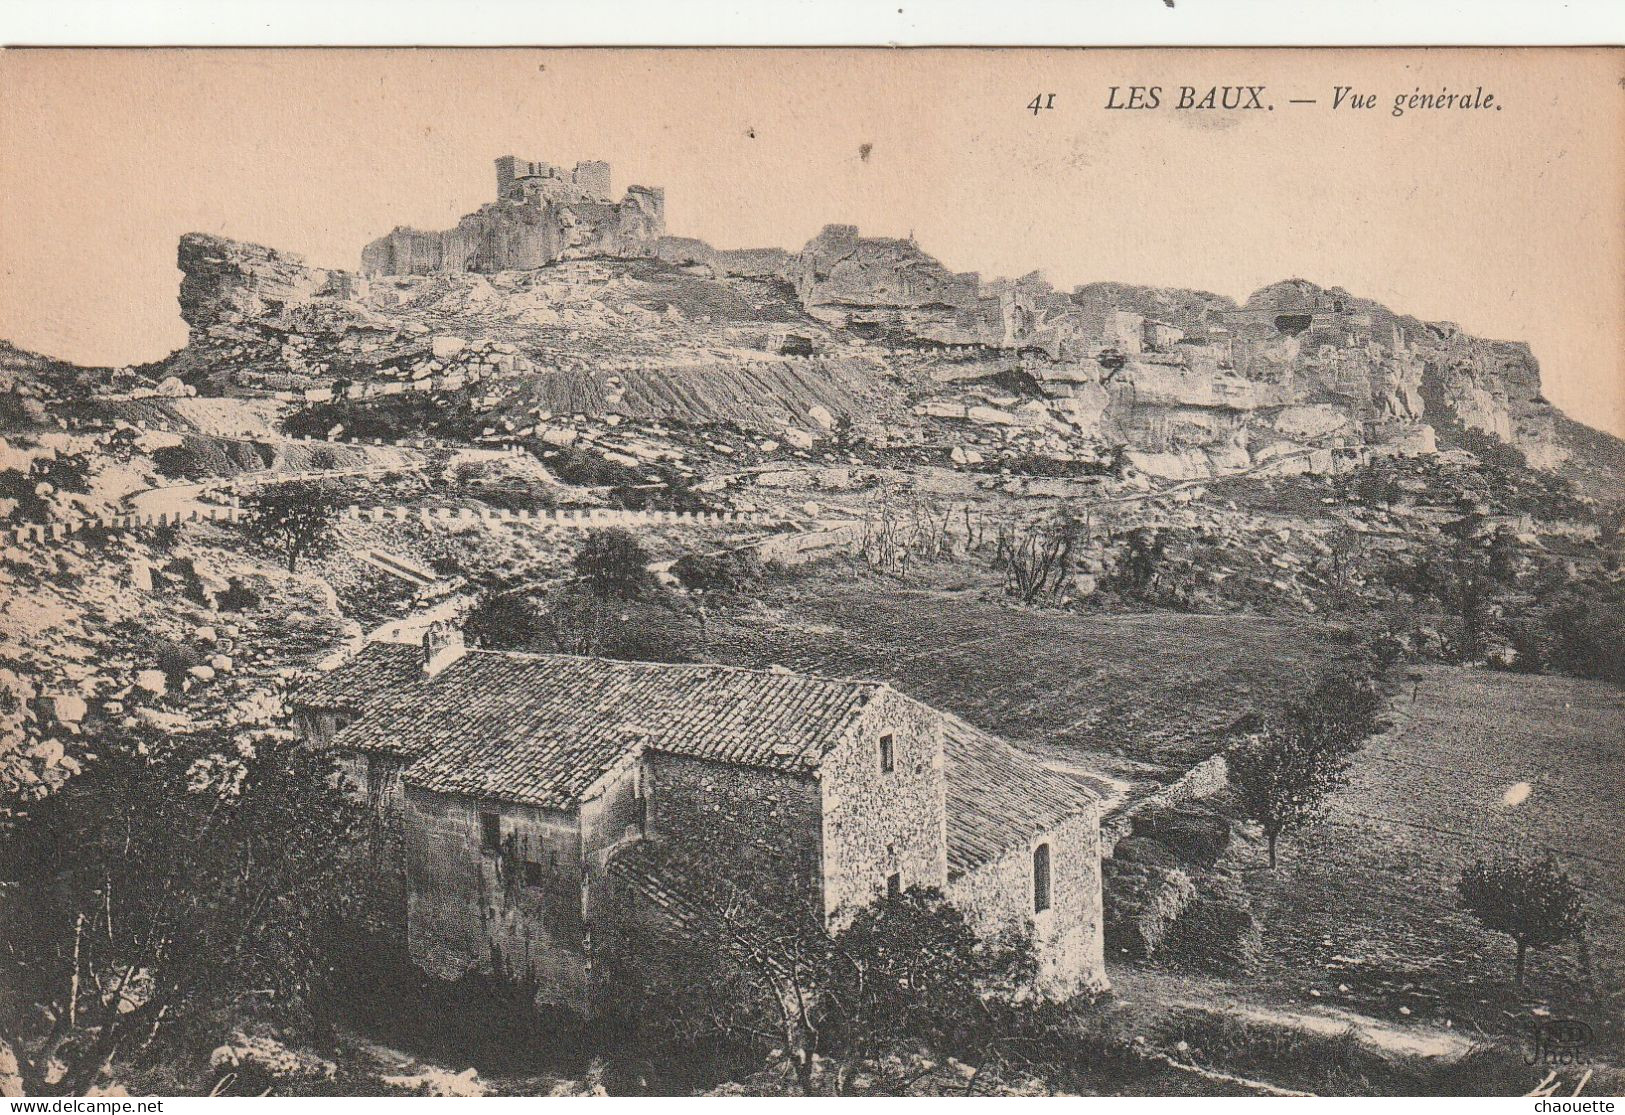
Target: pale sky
(1510, 222)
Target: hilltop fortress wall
(542, 214)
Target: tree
(657, 630)
(613, 565)
(174, 877)
(1142, 561)
(1281, 777)
(726, 571)
(909, 970)
(509, 619)
(1036, 558)
(755, 966)
(899, 527)
(293, 520)
(1532, 901)
(1340, 566)
(736, 976)
(1340, 711)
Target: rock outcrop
(883, 286)
(1190, 382)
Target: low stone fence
(67, 528)
(93, 424)
(584, 518)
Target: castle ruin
(542, 213)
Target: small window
(888, 758)
(490, 831)
(894, 885)
(1040, 878)
(533, 873)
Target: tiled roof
(380, 671)
(541, 729)
(999, 797)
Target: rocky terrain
(1305, 469)
(876, 331)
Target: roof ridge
(763, 671)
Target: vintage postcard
(834, 572)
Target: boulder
(439, 1083)
(991, 416)
(445, 347)
(67, 708)
(153, 681)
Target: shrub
(728, 571)
(1215, 932)
(1195, 835)
(1586, 634)
(510, 620)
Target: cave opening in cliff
(1292, 324)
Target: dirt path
(1145, 994)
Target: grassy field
(1139, 696)
(1362, 910)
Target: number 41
(1041, 102)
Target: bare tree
(900, 527)
(1036, 557)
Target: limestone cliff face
(227, 282)
(1175, 373)
(890, 285)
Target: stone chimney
(442, 645)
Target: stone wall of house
(611, 816)
(772, 815)
(1067, 937)
(879, 823)
(380, 865)
(476, 909)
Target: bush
(728, 571)
(1195, 835)
(1144, 850)
(16, 485)
(1586, 635)
(511, 620)
(238, 597)
(1216, 932)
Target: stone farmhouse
(506, 787)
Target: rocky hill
(555, 299)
